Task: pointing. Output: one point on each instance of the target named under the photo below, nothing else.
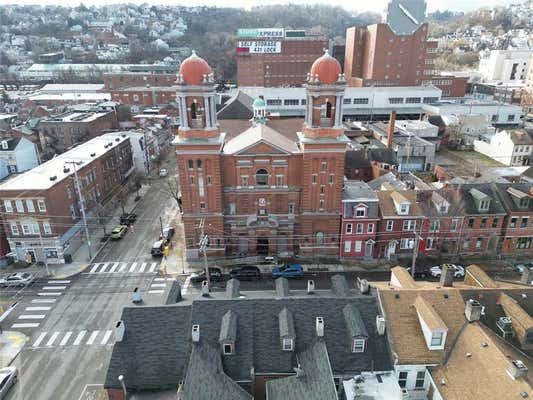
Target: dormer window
(228, 333)
(433, 327)
(359, 211)
(404, 209)
(524, 202)
(288, 344)
(484, 205)
(359, 346)
(287, 333)
(400, 203)
(227, 349)
(436, 339)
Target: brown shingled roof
(404, 278)
(475, 276)
(428, 314)
(521, 320)
(386, 203)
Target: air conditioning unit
(310, 286)
(380, 324)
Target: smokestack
(390, 132)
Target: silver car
(8, 377)
(17, 279)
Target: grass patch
(474, 156)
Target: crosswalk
(159, 285)
(73, 338)
(118, 267)
(34, 314)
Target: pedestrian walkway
(118, 267)
(73, 338)
(159, 285)
(11, 343)
(35, 313)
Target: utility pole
(415, 249)
(42, 251)
(82, 205)
(161, 225)
(203, 248)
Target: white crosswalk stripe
(118, 267)
(27, 325)
(54, 287)
(31, 316)
(57, 282)
(37, 308)
(70, 338)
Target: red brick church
(260, 191)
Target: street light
(121, 380)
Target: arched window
(319, 238)
(193, 111)
(328, 109)
(261, 177)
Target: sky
(357, 5)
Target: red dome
(327, 68)
(193, 69)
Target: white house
(17, 155)
(464, 129)
(510, 147)
(505, 65)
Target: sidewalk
(11, 343)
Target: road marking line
(29, 325)
(94, 268)
(43, 301)
(152, 267)
(54, 282)
(39, 339)
(160, 279)
(154, 285)
(37, 308)
(79, 338)
(156, 291)
(41, 316)
(186, 285)
(65, 338)
(104, 267)
(106, 337)
(113, 268)
(52, 339)
(54, 287)
(92, 337)
(143, 266)
(49, 294)
(133, 266)
(122, 267)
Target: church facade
(259, 191)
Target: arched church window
(261, 177)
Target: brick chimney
(390, 132)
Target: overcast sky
(357, 5)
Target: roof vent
(195, 333)
(310, 286)
(468, 355)
(484, 344)
(123, 135)
(120, 329)
(524, 395)
(53, 178)
(93, 154)
(319, 326)
(66, 170)
(117, 140)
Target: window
(321, 204)
(19, 205)
(523, 223)
(484, 205)
(273, 102)
(322, 189)
(409, 225)
(360, 211)
(404, 208)
(420, 378)
(199, 164)
(232, 208)
(41, 205)
(358, 346)
(324, 165)
(454, 224)
(495, 223)
(72, 211)
(279, 180)
(434, 225)
(359, 228)
(429, 100)
(395, 100)
(513, 222)
(483, 223)
(390, 225)
(261, 177)
(244, 180)
(331, 179)
(402, 379)
(524, 202)
(346, 101)
(30, 206)
(50, 253)
(370, 228)
(14, 228)
(494, 118)
(347, 246)
(510, 117)
(523, 243)
(470, 223)
(191, 164)
(431, 243)
(479, 242)
(291, 102)
(319, 238)
(35, 228)
(413, 100)
(314, 179)
(25, 229)
(228, 348)
(358, 246)
(436, 338)
(291, 208)
(466, 244)
(349, 228)
(69, 193)
(8, 206)
(287, 344)
(405, 244)
(201, 191)
(191, 180)
(47, 228)
(360, 100)
(209, 179)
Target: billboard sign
(260, 47)
(271, 33)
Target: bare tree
(172, 189)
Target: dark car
(128, 219)
(246, 272)
(420, 272)
(158, 248)
(215, 275)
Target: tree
(172, 189)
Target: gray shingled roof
(286, 324)
(206, 379)
(470, 204)
(354, 322)
(237, 107)
(316, 383)
(509, 202)
(228, 327)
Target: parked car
(288, 271)
(420, 272)
(168, 233)
(17, 279)
(128, 219)
(215, 275)
(436, 272)
(163, 172)
(521, 266)
(119, 231)
(158, 248)
(246, 272)
(8, 377)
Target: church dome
(193, 69)
(326, 68)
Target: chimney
(390, 132)
(446, 277)
(380, 324)
(364, 286)
(120, 329)
(310, 286)
(136, 298)
(319, 327)
(205, 289)
(473, 310)
(195, 333)
(527, 275)
(517, 369)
